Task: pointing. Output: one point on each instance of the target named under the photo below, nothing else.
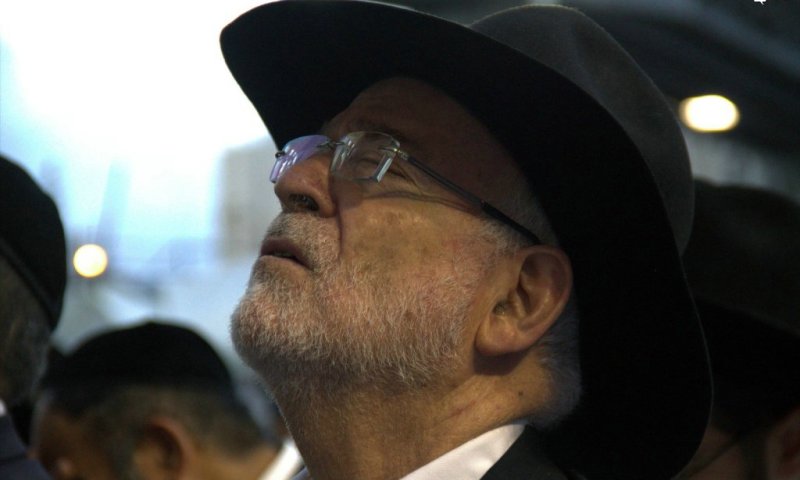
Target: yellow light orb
(90, 260)
(709, 113)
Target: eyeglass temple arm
(498, 215)
(484, 206)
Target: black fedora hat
(32, 237)
(743, 266)
(601, 150)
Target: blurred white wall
(128, 115)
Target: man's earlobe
(537, 290)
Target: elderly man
(479, 231)
(147, 402)
(33, 272)
(743, 264)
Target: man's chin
(343, 332)
(250, 333)
(278, 347)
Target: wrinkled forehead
(434, 128)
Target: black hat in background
(147, 354)
(32, 237)
(743, 265)
(602, 152)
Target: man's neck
(374, 435)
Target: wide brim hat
(602, 152)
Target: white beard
(352, 326)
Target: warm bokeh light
(90, 260)
(709, 113)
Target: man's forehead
(432, 126)
(401, 89)
(398, 106)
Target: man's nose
(305, 187)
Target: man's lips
(283, 248)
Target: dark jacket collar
(526, 460)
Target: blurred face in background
(66, 450)
(768, 452)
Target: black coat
(525, 460)
(14, 461)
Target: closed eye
(396, 168)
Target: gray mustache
(311, 235)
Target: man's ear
(783, 446)
(163, 450)
(531, 294)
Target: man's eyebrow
(377, 126)
(365, 125)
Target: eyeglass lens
(357, 156)
(294, 152)
(364, 156)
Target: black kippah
(32, 237)
(146, 354)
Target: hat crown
(579, 49)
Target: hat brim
(646, 380)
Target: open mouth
(282, 248)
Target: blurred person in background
(743, 265)
(32, 281)
(148, 402)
